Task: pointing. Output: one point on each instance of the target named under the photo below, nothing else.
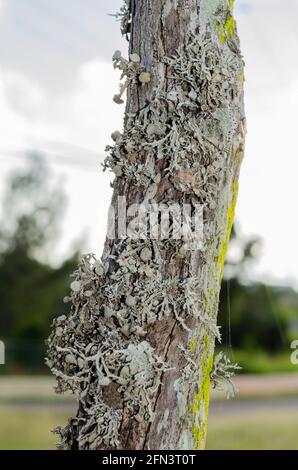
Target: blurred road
(255, 392)
(241, 406)
(264, 414)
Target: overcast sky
(56, 88)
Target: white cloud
(85, 116)
(3, 6)
(23, 95)
(89, 109)
(244, 7)
(267, 197)
(31, 118)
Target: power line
(59, 158)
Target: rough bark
(137, 348)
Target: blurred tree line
(31, 290)
(253, 316)
(257, 319)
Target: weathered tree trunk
(137, 347)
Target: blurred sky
(56, 89)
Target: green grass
(254, 431)
(259, 362)
(28, 430)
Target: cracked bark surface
(158, 30)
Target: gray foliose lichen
(176, 147)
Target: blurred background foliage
(31, 289)
(257, 320)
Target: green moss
(227, 30)
(230, 218)
(221, 33)
(230, 27)
(192, 344)
(200, 404)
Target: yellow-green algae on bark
(200, 405)
(218, 14)
(159, 320)
(227, 27)
(230, 218)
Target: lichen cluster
(98, 344)
(124, 16)
(222, 374)
(189, 128)
(179, 147)
(133, 71)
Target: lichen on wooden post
(137, 347)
